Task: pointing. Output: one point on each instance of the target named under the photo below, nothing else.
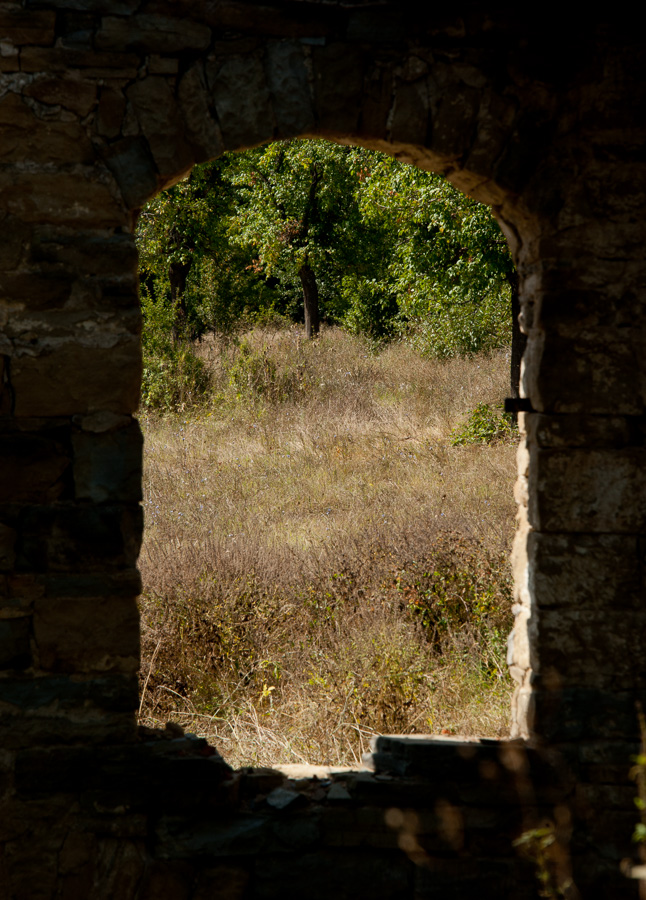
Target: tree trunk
(310, 300)
(177, 275)
(518, 339)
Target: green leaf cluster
(395, 251)
(486, 424)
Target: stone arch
(102, 107)
(432, 114)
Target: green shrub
(173, 376)
(487, 424)
(254, 375)
(372, 308)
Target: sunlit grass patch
(300, 545)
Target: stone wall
(104, 103)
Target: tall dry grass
(319, 562)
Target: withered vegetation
(320, 563)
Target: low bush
(174, 378)
(486, 424)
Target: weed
(485, 425)
(551, 862)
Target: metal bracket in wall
(518, 404)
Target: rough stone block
(9, 58)
(57, 694)
(71, 93)
(598, 376)
(16, 238)
(22, 590)
(241, 96)
(122, 66)
(352, 827)
(7, 548)
(588, 490)
(61, 198)
(409, 118)
(338, 88)
(107, 466)
(152, 34)
(41, 291)
(582, 714)
(245, 836)
(521, 643)
(132, 165)
(87, 724)
(23, 26)
(495, 122)
(87, 634)
(15, 652)
(289, 88)
(523, 152)
(110, 113)
(202, 132)
(558, 432)
(584, 571)
(79, 539)
(377, 101)
(113, 7)
(593, 648)
(160, 121)
(33, 468)
(26, 137)
(125, 583)
(96, 255)
(454, 123)
(77, 379)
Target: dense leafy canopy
(389, 249)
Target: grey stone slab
(15, 651)
(194, 101)
(585, 571)
(107, 467)
(289, 88)
(241, 97)
(152, 33)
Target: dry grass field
(320, 563)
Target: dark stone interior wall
(104, 103)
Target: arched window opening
(328, 521)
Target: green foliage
(487, 424)
(395, 251)
(297, 205)
(464, 587)
(447, 260)
(189, 224)
(255, 375)
(638, 774)
(541, 846)
(173, 376)
(372, 308)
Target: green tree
(188, 259)
(298, 209)
(311, 228)
(448, 263)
